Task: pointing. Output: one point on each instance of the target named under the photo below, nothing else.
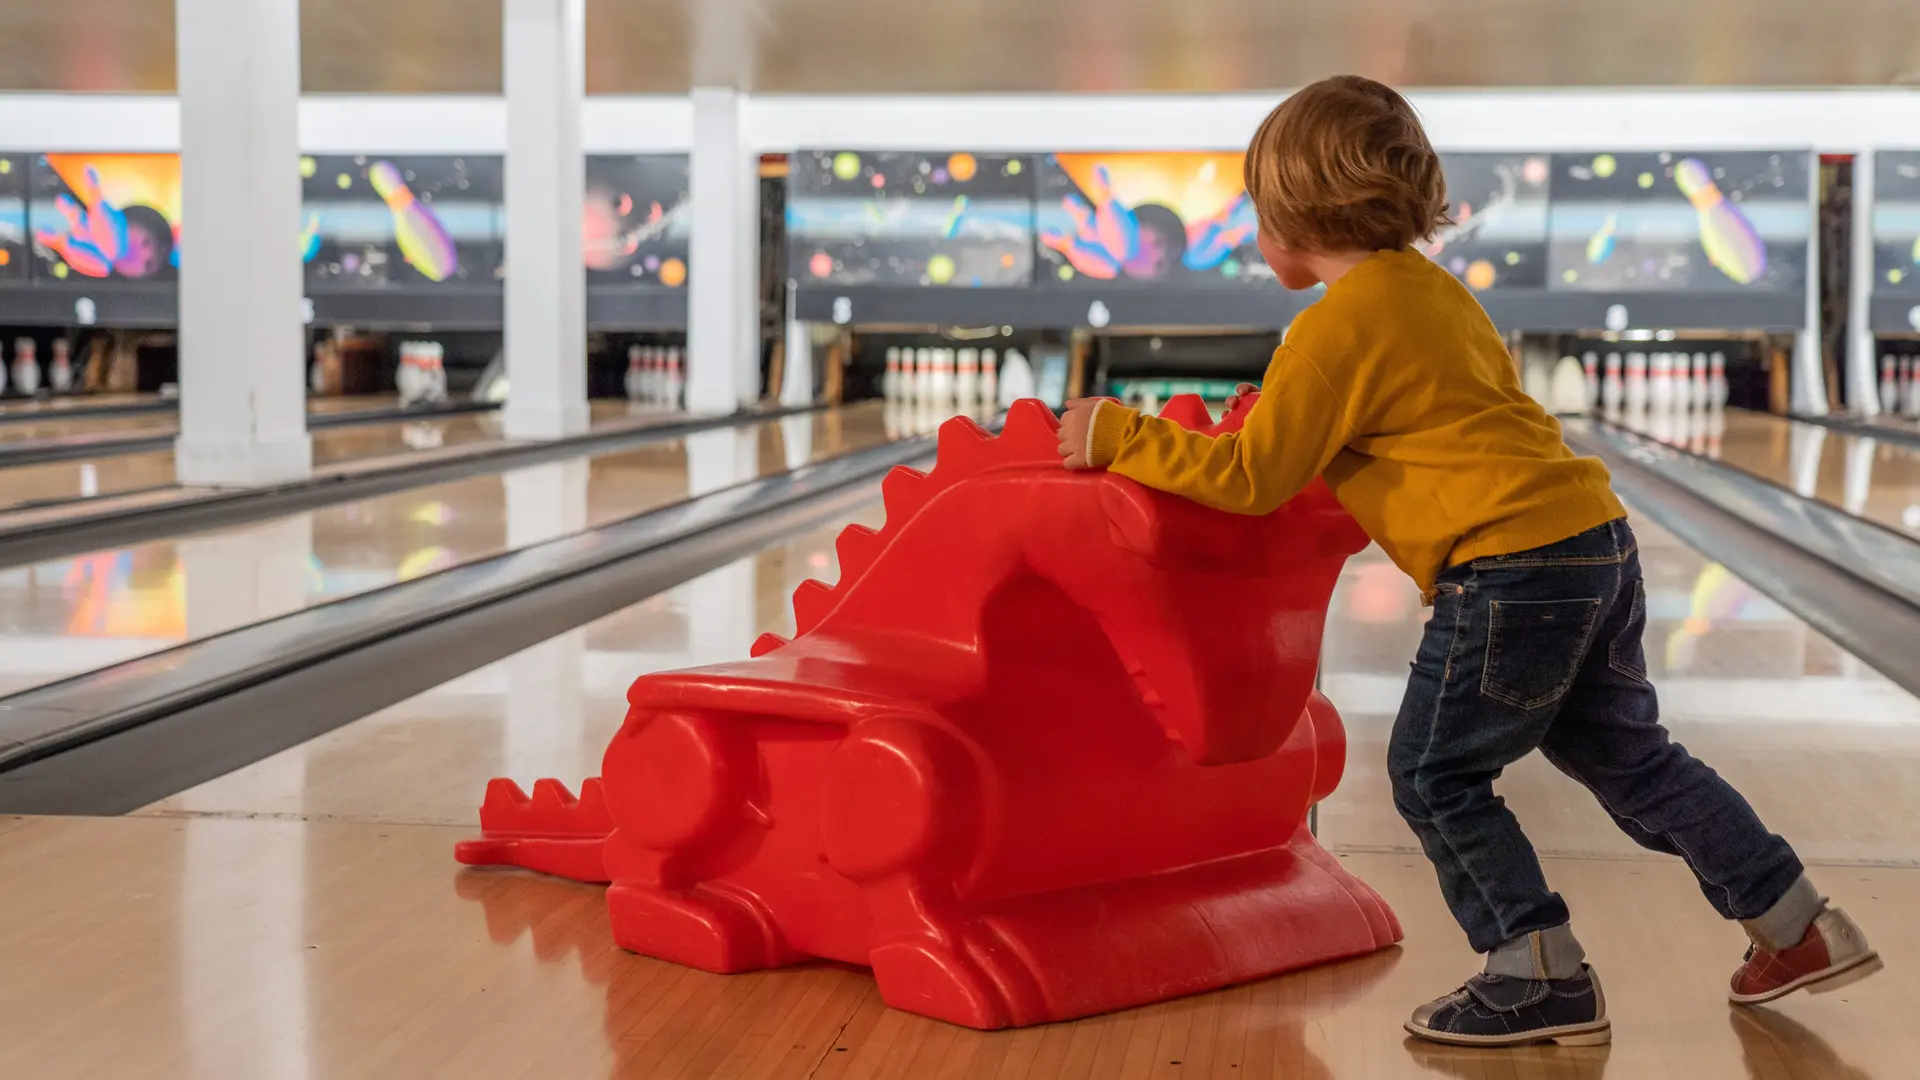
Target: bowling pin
(438, 356)
(636, 381)
(407, 378)
(989, 381)
(922, 375)
(1590, 366)
(1682, 382)
(1660, 384)
(1016, 378)
(1612, 389)
(1702, 383)
(1889, 386)
(966, 382)
(1636, 381)
(1911, 377)
(943, 377)
(890, 382)
(1716, 429)
(60, 369)
(1569, 387)
(1716, 384)
(1537, 383)
(26, 366)
(676, 380)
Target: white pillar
(544, 71)
(1863, 380)
(1807, 381)
(723, 303)
(796, 382)
(243, 399)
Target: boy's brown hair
(1344, 165)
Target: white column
(723, 303)
(1807, 381)
(243, 399)
(1863, 380)
(544, 71)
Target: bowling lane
(1823, 746)
(117, 474)
(54, 406)
(51, 425)
(73, 615)
(548, 710)
(1874, 479)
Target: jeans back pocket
(1535, 649)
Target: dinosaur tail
(551, 832)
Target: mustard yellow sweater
(1396, 387)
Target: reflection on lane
(72, 615)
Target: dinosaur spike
(811, 602)
(552, 794)
(1031, 430)
(857, 547)
(1187, 410)
(962, 440)
(766, 644)
(503, 801)
(904, 491)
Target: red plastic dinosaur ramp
(1046, 750)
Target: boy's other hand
(1075, 423)
(1239, 392)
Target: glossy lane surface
(72, 615)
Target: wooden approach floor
(261, 948)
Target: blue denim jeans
(1540, 650)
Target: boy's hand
(1074, 426)
(1239, 392)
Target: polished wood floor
(303, 918)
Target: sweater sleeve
(1292, 433)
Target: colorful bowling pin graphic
(423, 241)
(1731, 242)
(1613, 388)
(1600, 244)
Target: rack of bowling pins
(655, 375)
(23, 375)
(924, 387)
(1900, 386)
(1675, 397)
(422, 375)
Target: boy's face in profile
(1287, 265)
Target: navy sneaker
(1498, 1010)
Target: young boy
(1397, 389)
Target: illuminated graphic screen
(372, 221)
(948, 220)
(1680, 222)
(14, 245)
(1896, 223)
(1146, 218)
(1499, 205)
(99, 216)
(638, 215)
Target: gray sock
(1785, 923)
(1543, 954)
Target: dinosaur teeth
(766, 644)
(811, 602)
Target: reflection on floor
(302, 917)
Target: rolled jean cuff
(1543, 954)
(1782, 926)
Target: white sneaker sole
(1593, 1033)
(1824, 981)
